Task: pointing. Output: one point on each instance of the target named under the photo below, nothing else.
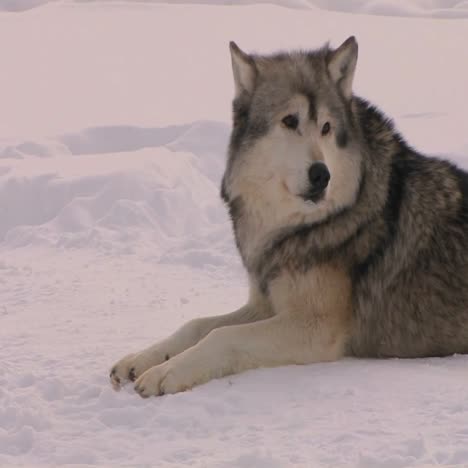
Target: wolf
(354, 243)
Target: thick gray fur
(369, 259)
(403, 241)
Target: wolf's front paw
(132, 366)
(123, 370)
(162, 379)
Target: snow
(112, 234)
(404, 8)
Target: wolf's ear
(244, 70)
(342, 63)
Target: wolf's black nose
(319, 176)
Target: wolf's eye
(291, 121)
(326, 128)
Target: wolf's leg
(228, 350)
(133, 365)
(312, 324)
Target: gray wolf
(354, 243)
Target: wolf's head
(293, 145)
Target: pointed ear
(244, 70)
(341, 65)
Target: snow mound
(209, 141)
(21, 5)
(113, 188)
(206, 139)
(447, 9)
(44, 148)
(120, 138)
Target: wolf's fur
(376, 267)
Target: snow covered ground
(112, 234)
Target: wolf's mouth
(314, 195)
